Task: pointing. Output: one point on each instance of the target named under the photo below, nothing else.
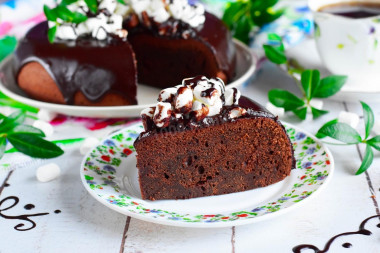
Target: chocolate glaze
(213, 33)
(361, 231)
(93, 67)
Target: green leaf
(92, 5)
(317, 113)
(310, 81)
(11, 121)
(50, 14)
(68, 2)
(369, 118)
(79, 18)
(266, 17)
(301, 113)
(320, 135)
(243, 29)
(26, 129)
(121, 2)
(7, 45)
(285, 99)
(274, 54)
(374, 142)
(12, 103)
(3, 144)
(367, 160)
(329, 86)
(263, 5)
(64, 13)
(275, 38)
(339, 131)
(51, 33)
(34, 146)
(233, 12)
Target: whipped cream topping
(195, 99)
(161, 10)
(105, 22)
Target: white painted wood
(84, 225)
(150, 238)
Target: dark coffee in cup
(353, 9)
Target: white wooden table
(85, 225)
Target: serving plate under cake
(109, 174)
(146, 95)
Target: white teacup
(348, 46)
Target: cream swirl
(195, 99)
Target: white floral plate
(110, 175)
(246, 63)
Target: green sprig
(242, 16)
(61, 14)
(24, 138)
(347, 135)
(310, 84)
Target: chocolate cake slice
(202, 139)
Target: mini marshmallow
(376, 127)
(237, 112)
(6, 110)
(277, 111)
(66, 32)
(148, 112)
(44, 126)
(88, 144)
(48, 172)
(46, 115)
(316, 103)
(100, 34)
(200, 110)
(216, 108)
(349, 118)
(183, 100)
(167, 95)
(232, 96)
(110, 5)
(162, 114)
(206, 95)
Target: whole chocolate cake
(91, 61)
(202, 139)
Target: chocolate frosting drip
(213, 33)
(93, 67)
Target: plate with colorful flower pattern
(109, 174)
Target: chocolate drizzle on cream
(196, 99)
(362, 231)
